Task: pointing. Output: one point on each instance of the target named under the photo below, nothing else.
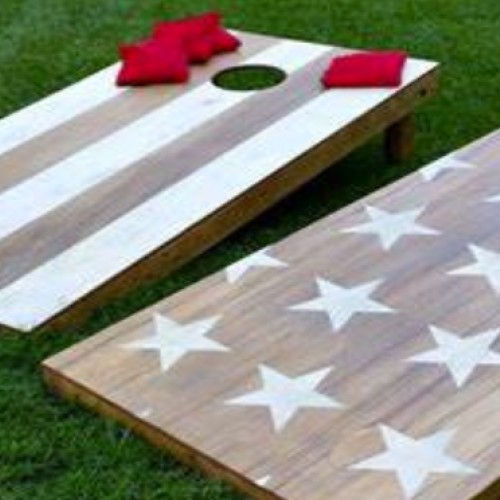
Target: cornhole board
(101, 187)
(359, 356)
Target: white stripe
(49, 113)
(71, 177)
(55, 285)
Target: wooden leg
(400, 139)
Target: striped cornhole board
(102, 186)
(359, 358)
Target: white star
(487, 265)
(430, 172)
(413, 460)
(391, 227)
(173, 341)
(460, 355)
(341, 304)
(258, 259)
(493, 199)
(285, 396)
(263, 481)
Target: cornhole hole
(361, 354)
(101, 187)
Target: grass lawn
(52, 450)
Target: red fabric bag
(367, 69)
(223, 41)
(201, 36)
(166, 56)
(193, 33)
(151, 62)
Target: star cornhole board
(101, 187)
(360, 356)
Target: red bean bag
(223, 41)
(201, 36)
(151, 62)
(367, 69)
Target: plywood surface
(359, 357)
(95, 179)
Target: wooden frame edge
(185, 454)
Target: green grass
(52, 450)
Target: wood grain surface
(359, 355)
(107, 188)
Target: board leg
(400, 139)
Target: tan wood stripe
(53, 146)
(57, 231)
(60, 107)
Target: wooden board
(101, 186)
(360, 356)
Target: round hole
(250, 77)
